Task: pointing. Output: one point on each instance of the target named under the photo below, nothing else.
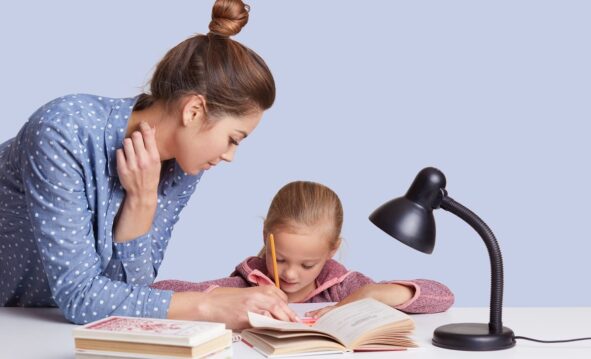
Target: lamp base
(472, 337)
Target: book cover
(152, 331)
(97, 354)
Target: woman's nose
(228, 156)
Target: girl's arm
(391, 294)
(429, 296)
(413, 296)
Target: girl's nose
(289, 274)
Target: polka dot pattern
(59, 195)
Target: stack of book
(128, 337)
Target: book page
(262, 321)
(349, 322)
(345, 324)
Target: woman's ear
(194, 111)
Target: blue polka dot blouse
(59, 195)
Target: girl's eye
(308, 266)
(233, 142)
(281, 261)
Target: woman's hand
(388, 293)
(230, 305)
(138, 163)
(138, 166)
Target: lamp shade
(408, 222)
(410, 219)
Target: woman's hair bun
(228, 17)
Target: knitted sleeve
(429, 296)
(184, 286)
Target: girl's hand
(230, 305)
(138, 163)
(388, 293)
(320, 312)
(361, 293)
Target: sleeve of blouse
(141, 258)
(62, 223)
(133, 258)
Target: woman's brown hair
(233, 79)
(304, 203)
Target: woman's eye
(233, 142)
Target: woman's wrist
(146, 202)
(187, 306)
(135, 217)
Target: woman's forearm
(135, 217)
(186, 306)
(230, 305)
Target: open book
(364, 325)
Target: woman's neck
(157, 117)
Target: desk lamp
(410, 220)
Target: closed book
(157, 337)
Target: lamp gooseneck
(496, 259)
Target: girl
(305, 219)
(91, 187)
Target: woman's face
(214, 140)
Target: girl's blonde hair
(304, 203)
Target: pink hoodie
(333, 284)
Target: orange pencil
(274, 256)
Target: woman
(91, 187)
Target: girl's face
(203, 145)
(301, 255)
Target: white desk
(27, 333)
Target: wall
(495, 94)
